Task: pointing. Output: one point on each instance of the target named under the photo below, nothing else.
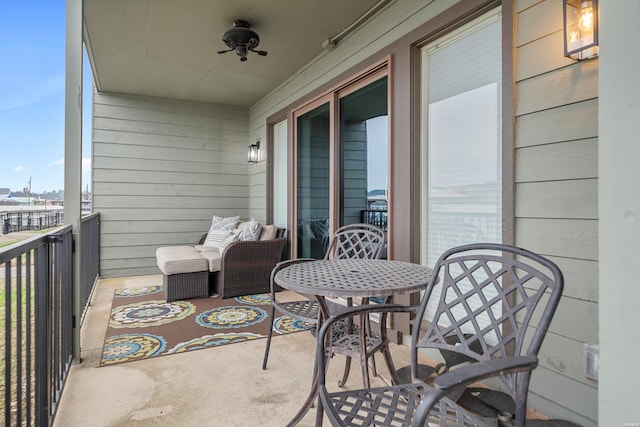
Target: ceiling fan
(242, 39)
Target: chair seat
(306, 310)
(395, 406)
(349, 344)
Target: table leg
(364, 357)
(385, 350)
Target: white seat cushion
(180, 259)
(213, 258)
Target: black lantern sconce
(580, 29)
(253, 153)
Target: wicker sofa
(241, 268)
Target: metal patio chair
(363, 241)
(500, 297)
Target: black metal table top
(354, 277)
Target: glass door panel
(313, 146)
(364, 155)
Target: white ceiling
(167, 48)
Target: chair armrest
(469, 374)
(254, 250)
(201, 239)
(245, 267)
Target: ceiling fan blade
(259, 52)
(225, 51)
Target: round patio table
(344, 278)
(353, 278)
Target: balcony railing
(377, 217)
(90, 258)
(37, 326)
(12, 222)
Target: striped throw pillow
(226, 242)
(215, 238)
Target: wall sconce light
(580, 29)
(253, 153)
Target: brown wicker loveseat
(245, 266)
(242, 267)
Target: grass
(28, 234)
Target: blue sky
(32, 54)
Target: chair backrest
(364, 241)
(491, 301)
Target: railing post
(42, 336)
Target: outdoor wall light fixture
(580, 29)
(253, 153)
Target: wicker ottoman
(185, 272)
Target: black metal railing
(37, 326)
(90, 258)
(377, 217)
(12, 222)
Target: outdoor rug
(144, 325)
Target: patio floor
(222, 386)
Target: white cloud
(20, 169)
(57, 162)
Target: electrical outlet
(591, 361)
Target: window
(280, 214)
(461, 140)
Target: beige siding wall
(556, 205)
(161, 169)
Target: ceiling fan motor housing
(242, 39)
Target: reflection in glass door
(313, 194)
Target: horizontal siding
(575, 199)
(564, 398)
(561, 161)
(556, 205)
(563, 123)
(581, 277)
(578, 82)
(570, 238)
(541, 56)
(161, 169)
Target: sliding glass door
(313, 147)
(364, 155)
(341, 162)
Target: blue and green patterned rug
(144, 325)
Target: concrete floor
(222, 386)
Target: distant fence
(12, 222)
(377, 217)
